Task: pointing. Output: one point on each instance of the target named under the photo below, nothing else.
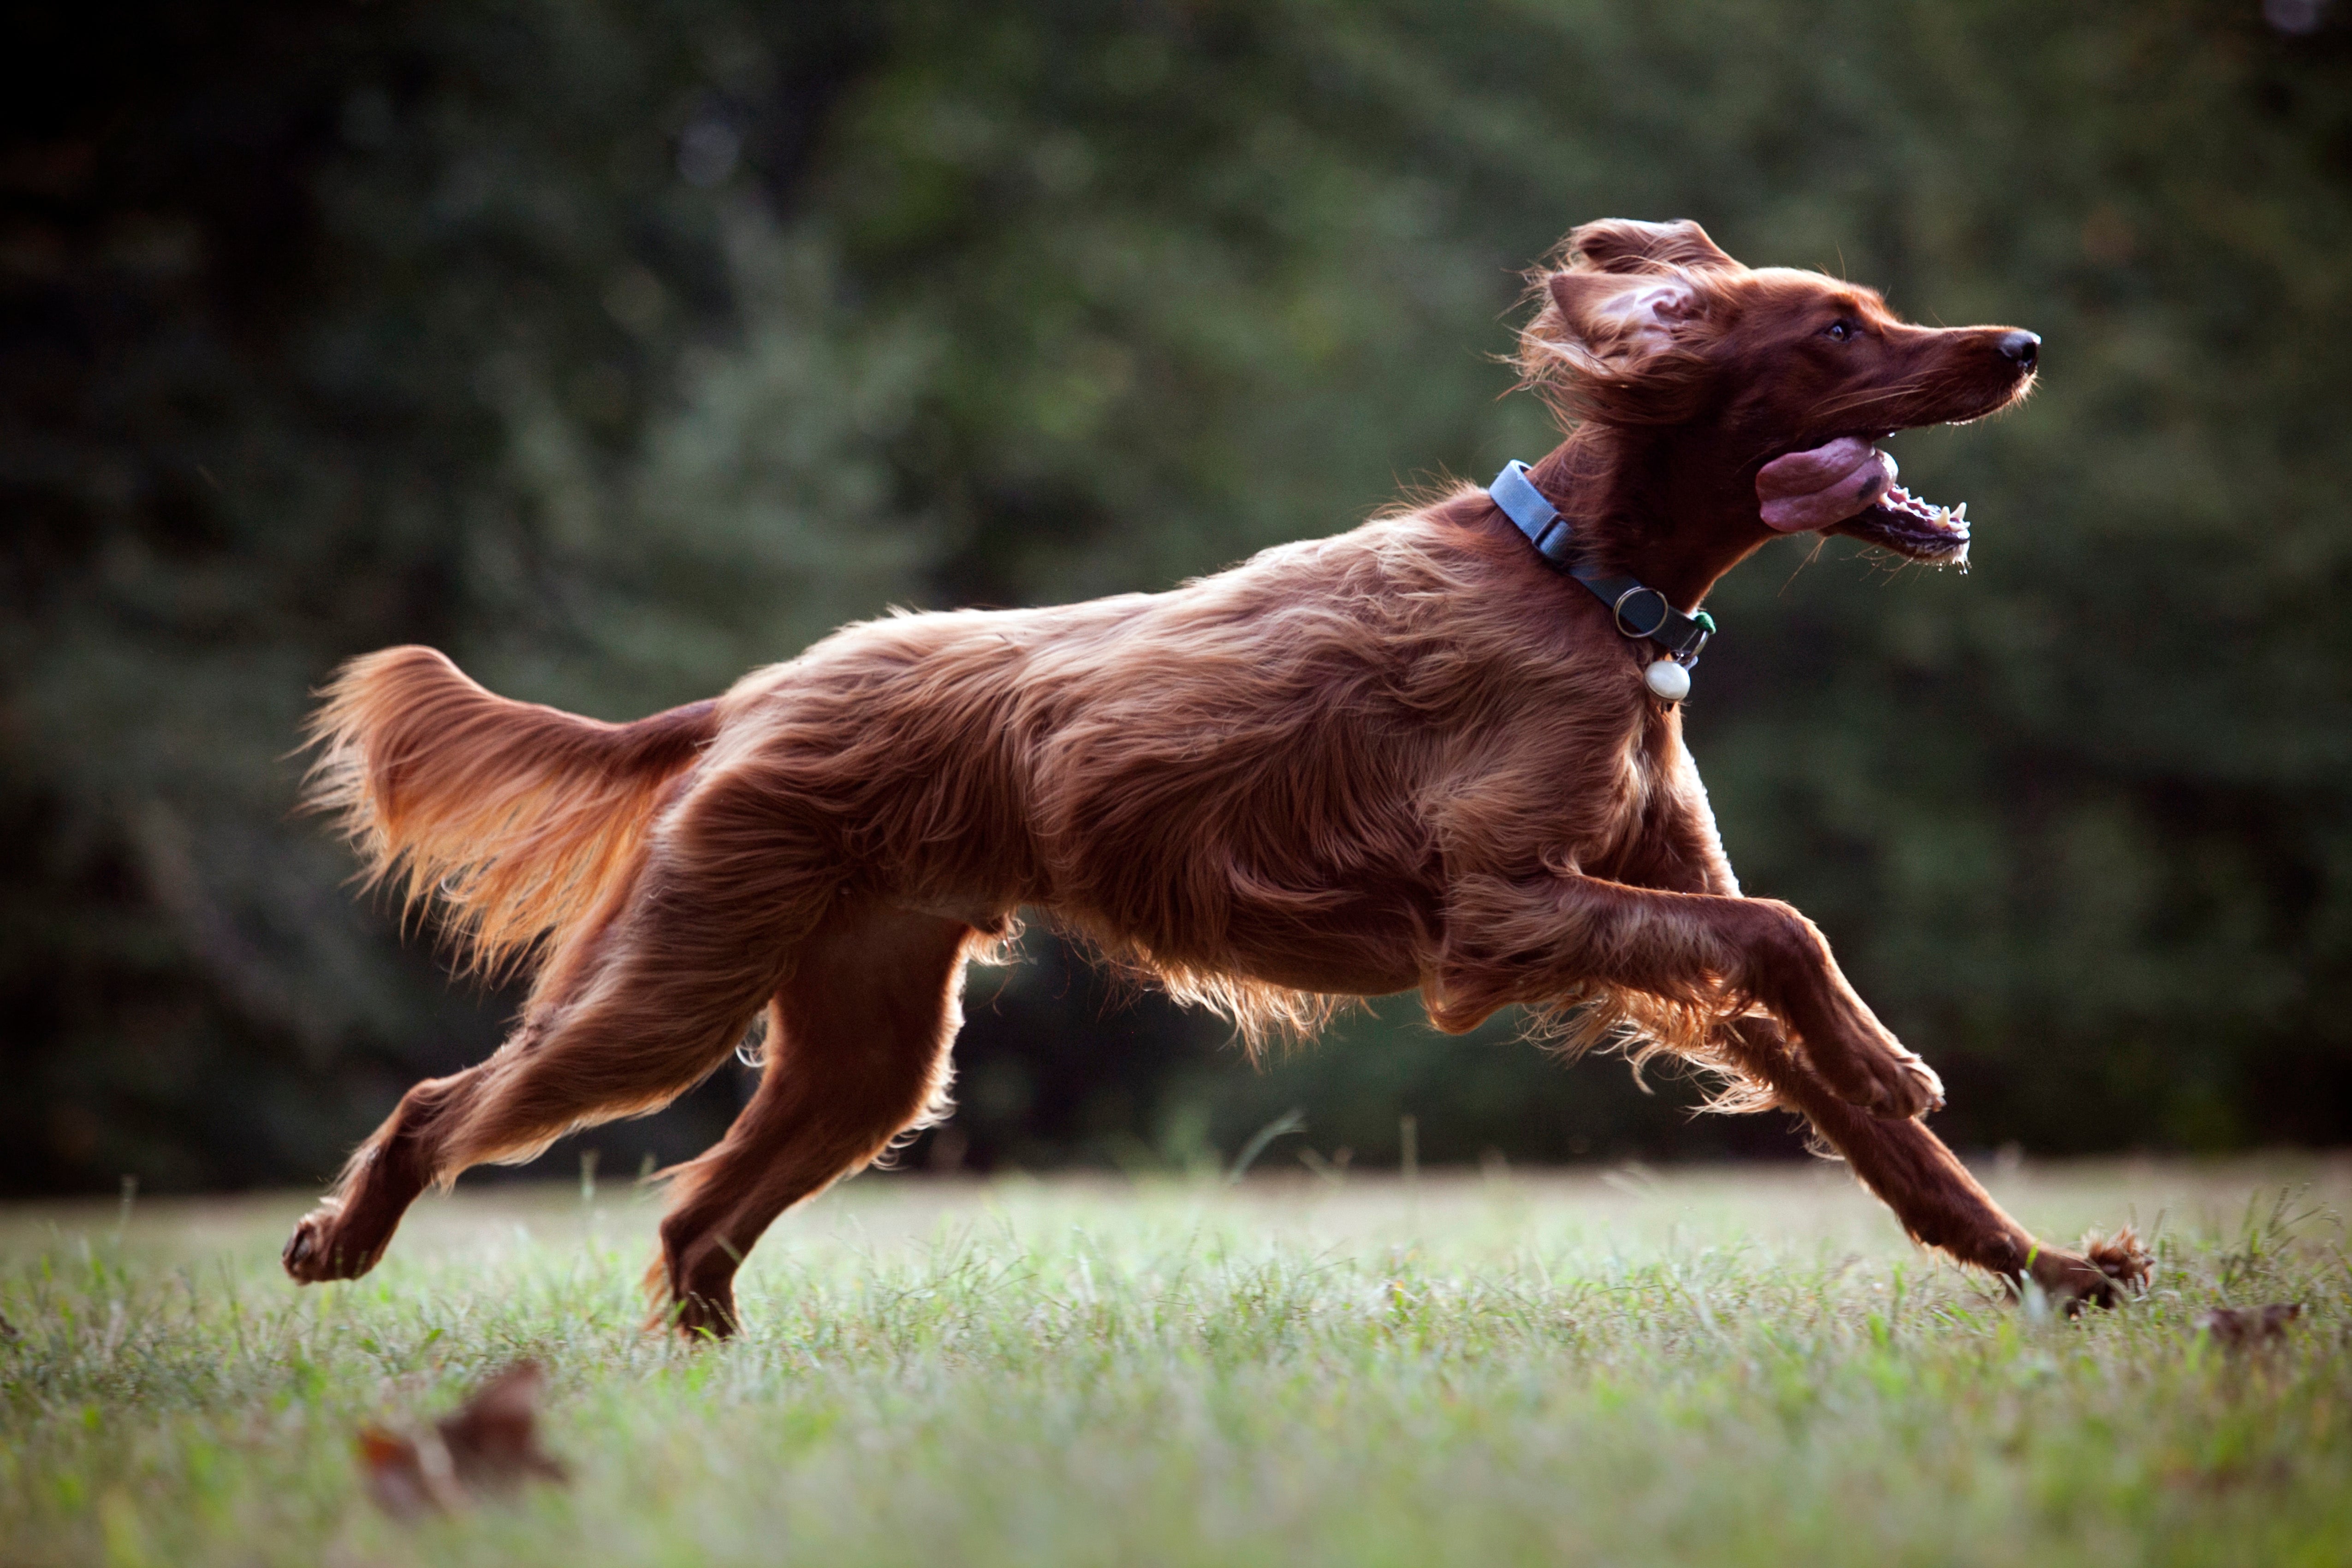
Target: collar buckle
(1679, 637)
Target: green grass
(1721, 1367)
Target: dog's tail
(513, 819)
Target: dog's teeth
(1960, 512)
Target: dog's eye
(1838, 332)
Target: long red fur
(1406, 757)
(511, 817)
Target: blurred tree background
(617, 346)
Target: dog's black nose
(2021, 348)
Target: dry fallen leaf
(399, 1477)
(490, 1445)
(2239, 1328)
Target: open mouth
(1847, 486)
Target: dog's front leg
(1906, 1167)
(1535, 940)
(1914, 1174)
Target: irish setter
(1417, 755)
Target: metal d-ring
(1617, 611)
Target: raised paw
(1885, 1080)
(1925, 1087)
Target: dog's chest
(1610, 800)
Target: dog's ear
(1623, 245)
(1618, 317)
(1620, 348)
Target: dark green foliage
(619, 347)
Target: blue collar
(1639, 610)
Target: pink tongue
(1823, 486)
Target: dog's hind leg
(642, 1012)
(631, 1047)
(857, 1053)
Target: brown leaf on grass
(489, 1445)
(493, 1439)
(401, 1479)
(2248, 1328)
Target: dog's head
(1787, 378)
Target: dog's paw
(690, 1291)
(1918, 1088)
(317, 1251)
(1886, 1080)
(700, 1319)
(2120, 1258)
(2098, 1276)
(695, 1317)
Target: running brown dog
(1422, 754)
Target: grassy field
(1724, 1367)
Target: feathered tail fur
(510, 817)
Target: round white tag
(1668, 679)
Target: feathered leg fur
(856, 1056)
